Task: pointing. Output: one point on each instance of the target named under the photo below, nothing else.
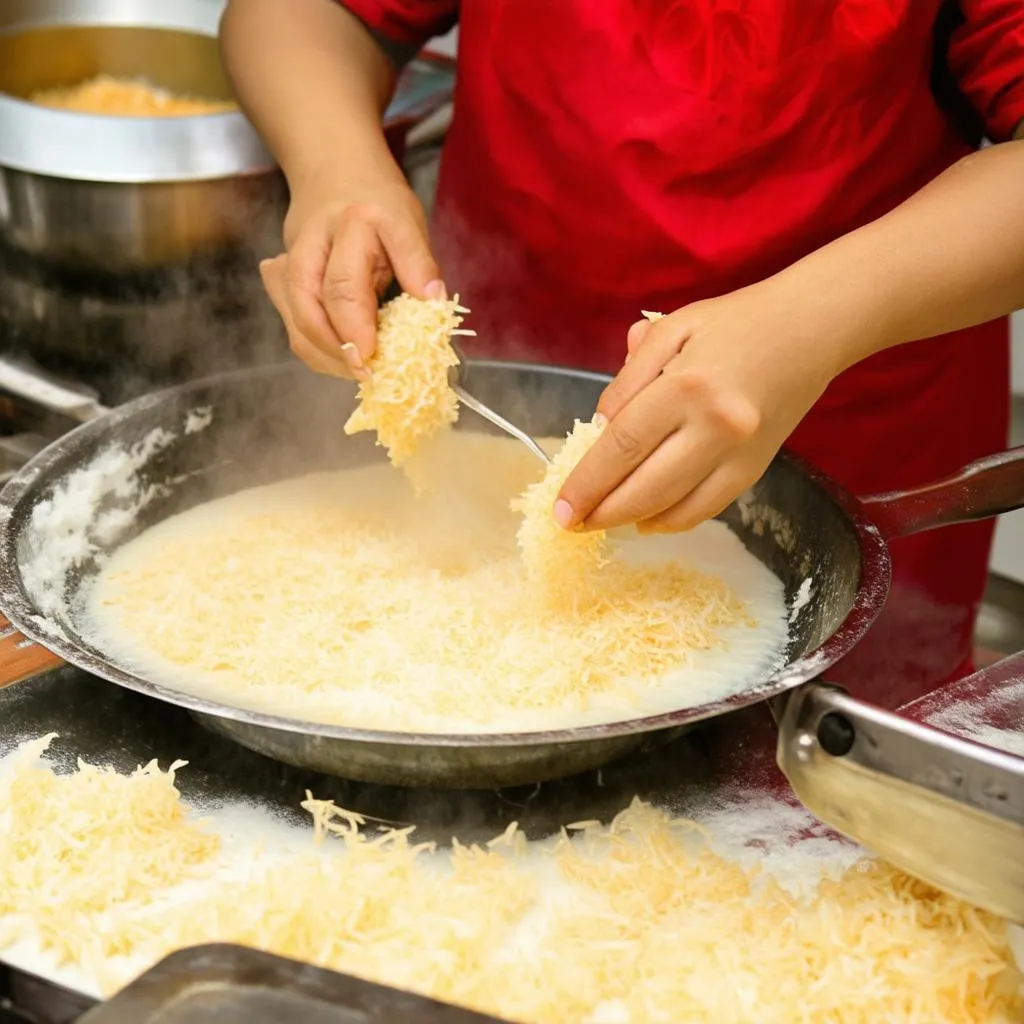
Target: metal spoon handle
(499, 421)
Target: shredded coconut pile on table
(72, 847)
(633, 922)
(406, 399)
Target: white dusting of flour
(87, 513)
(198, 419)
(997, 720)
(72, 526)
(802, 599)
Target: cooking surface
(465, 644)
(729, 762)
(711, 770)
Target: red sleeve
(403, 27)
(987, 58)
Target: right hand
(342, 255)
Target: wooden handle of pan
(21, 658)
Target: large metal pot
(122, 193)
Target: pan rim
(869, 599)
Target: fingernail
(436, 290)
(600, 419)
(352, 353)
(354, 360)
(563, 513)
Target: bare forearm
(950, 257)
(315, 83)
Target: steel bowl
(115, 194)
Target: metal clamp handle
(945, 809)
(826, 719)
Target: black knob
(836, 735)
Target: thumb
(414, 265)
(636, 336)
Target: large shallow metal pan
(276, 422)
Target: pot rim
(111, 149)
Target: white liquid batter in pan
(340, 598)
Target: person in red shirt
(798, 185)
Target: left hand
(708, 395)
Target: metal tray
(223, 984)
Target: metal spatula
(943, 808)
(455, 377)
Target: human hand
(708, 395)
(342, 255)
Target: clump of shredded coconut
(407, 398)
(75, 847)
(555, 559)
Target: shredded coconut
(406, 614)
(126, 97)
(557, 560)
(637, 921)
(407, 398)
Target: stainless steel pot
(119, 194)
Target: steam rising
(129, 331)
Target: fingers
(368, 246)
(274, 275)
(355, 270)
(659, 448)
(659, 344)
(625, 443)
(715, 493)
(338, 270)
(405, 242)
(341, 261)
(305, 267)
(665, 478)
(636, 336)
